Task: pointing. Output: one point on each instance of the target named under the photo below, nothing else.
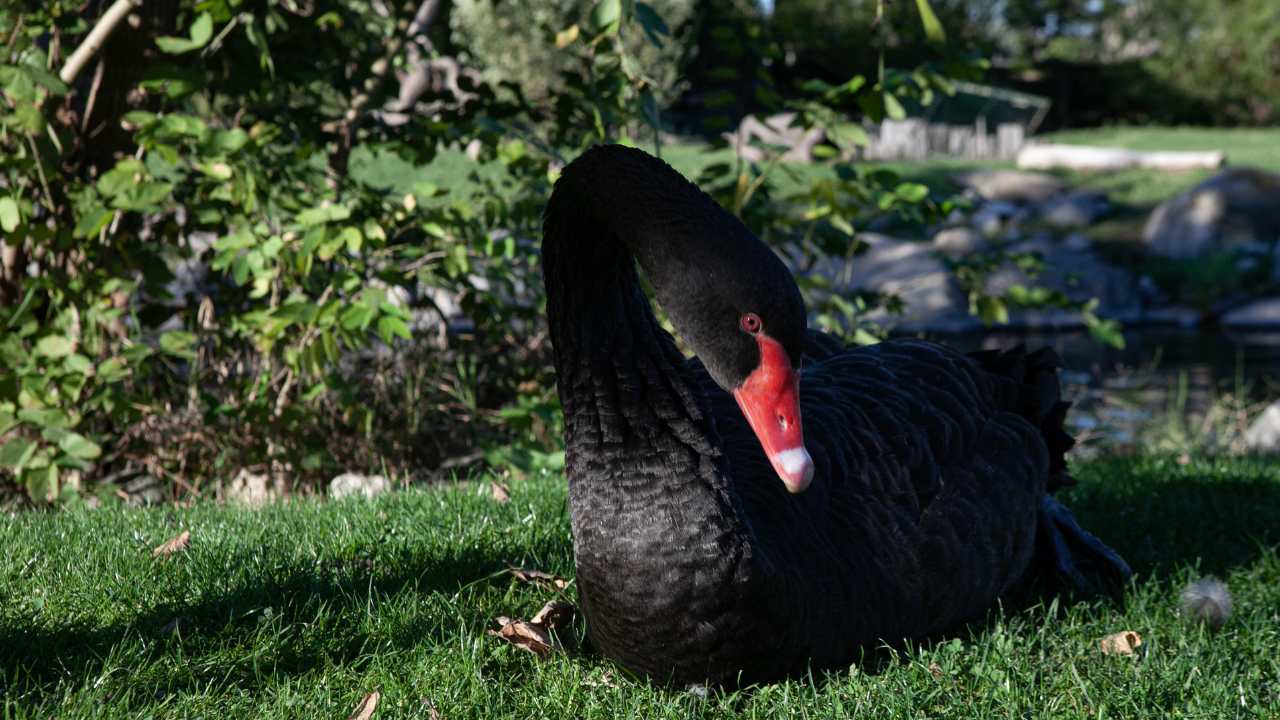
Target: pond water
(1166, 383)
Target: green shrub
(222, 251)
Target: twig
(13, 36)
(93, 94)
(97, 36)
(44, 182)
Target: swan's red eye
(750, 322)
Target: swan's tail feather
(1070, 556)
(1034, 393)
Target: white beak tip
(795, 468)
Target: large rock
(1075, 210)
(911, 270)
(357, 485)
(959, 241)
(1240, 206)
(1264, 313)
(1263, 436)
(1011, 185)
(1078, 274)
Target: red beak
(770, 399)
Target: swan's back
(924, 506)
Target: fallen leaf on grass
(538, 577)
(365, 709)
(1121, 643)
(936, 671)
(554, 614)
(175, 544)
(500, 492)
(524, 635)
(535, 635)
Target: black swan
(915, 494)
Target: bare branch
(97, 36)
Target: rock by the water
(911, 270)
(1075, 210)
(1011, 185)
(1079, 275)
(1263, 436)
(957, 242)
(1256, 314)
(1174, 315)
(993, 217)
(354, 484)
(1235, 207)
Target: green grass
(300, 610)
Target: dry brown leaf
(552, 615)
(175, 544)
(1121, 643)
(365, 709)
(538, 577)
(936, 671)
(432, 712)
(524, 635)
(500, 492)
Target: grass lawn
(301, 610)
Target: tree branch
(97, 36)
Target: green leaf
(9, 215)
(357, 317)
(390, 326)
(323, 214)
(225, 142)
(15, 453)
(54, 346)
(652, 22)
(201, 32)
(92, 222)
(893, 108)
(79, 446)
(912, 192)
(178, 343)
(932, 28)
(605, 15)
(28, 119)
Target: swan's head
(736, 305)
(769, 397)
(727, 294)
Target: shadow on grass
(36, 661)
(1162, 516)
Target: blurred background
(252, 248)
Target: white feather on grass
(1207, 600)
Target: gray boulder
(958, 242)
(1263, 436)
(996, 216)
(911, 270)
(357, 485)
(1263, 313)
(1236, 207)
(1011, 185)
(1079, 275)
(1075, 210)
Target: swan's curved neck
(637, 424)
